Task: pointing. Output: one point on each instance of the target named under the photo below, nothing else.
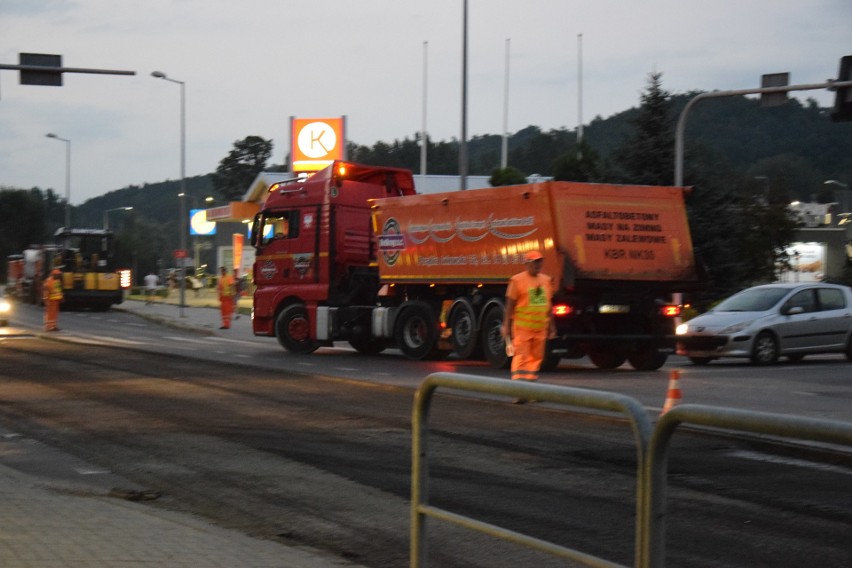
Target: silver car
(765, 322)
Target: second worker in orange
(528, 321)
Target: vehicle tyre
(416, 331)
(368, 345)
(293, 330)
(551, 361)
(493, 344)
(465, 334)
(647, 359)
(607, 357)
(765, 349)
(849, 349)
(701, 361)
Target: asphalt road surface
(325, 462)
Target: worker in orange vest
(528, 321)
(227, 291)
(52, 297)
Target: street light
(841, 185)
(67, 177)
(182, 194)
(106, 215)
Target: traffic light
(843, 97)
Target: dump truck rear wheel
(465, 337)
(607, 358)
(293, 330)
(648, 359)
(416, 332)
(550, 363)
(493, 344)
(368, 345)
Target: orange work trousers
(529, 353)
(226, 306)
(51, 314)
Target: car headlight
(736, 328)
(682, 329)
(5, 307)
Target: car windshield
(752, 300)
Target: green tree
(24, 218)
(647, 155)
(579, 163)
(242, 164)
(507, 176)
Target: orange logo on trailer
(316, 142)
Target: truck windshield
(279, 225)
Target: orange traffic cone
(673, 396)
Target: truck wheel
(368, 345)
(465, 337)
(293, 330)
(647, 359)
(607, 358)
(550, 363)
(493, 344)
(416, 331)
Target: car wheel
(765, 349)
(293, 330)
(700, 360)
(849, 349)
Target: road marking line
(756, 456)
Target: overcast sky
(250, 65)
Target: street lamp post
(106, 215)
(67, 177)
(182, 194)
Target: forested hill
(735, 133)
(796, 141)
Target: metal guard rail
(652, 445)
(599, 400)
(751, 421)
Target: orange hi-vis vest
(226, 286)
(532, 300)
(53, 288)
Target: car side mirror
(791, 311)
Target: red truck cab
(315, 246)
